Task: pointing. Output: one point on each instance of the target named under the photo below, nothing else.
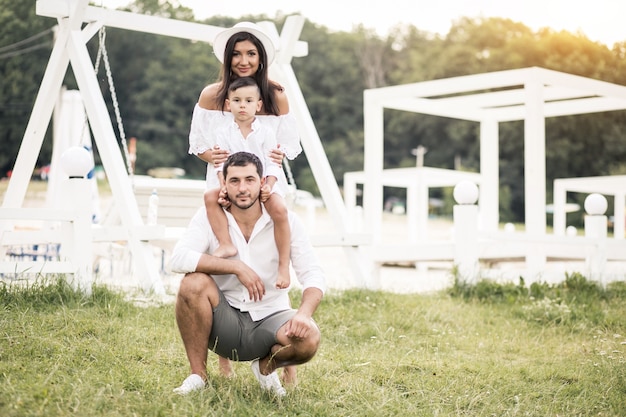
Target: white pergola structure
(78, 22)
(529, 94)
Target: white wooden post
(619, 216)
(535, 169)
(76, 162)
(559, 219)
(596, 229)
(490, 175)
(81, 252)
(466, 231)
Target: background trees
(158, 81)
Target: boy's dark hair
(241, 159)
(243, 82)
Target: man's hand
(251, 281)
(299, 326)
(218, 156)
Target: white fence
(503, 254)
(509, 254)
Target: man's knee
(198, 285)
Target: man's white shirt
(259, 253)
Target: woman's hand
(218, 155)
(276, 155)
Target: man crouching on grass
(232, 306)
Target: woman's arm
(208, 97)
(281, 101)
(201, 136)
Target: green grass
(501, 350)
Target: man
(232, 306)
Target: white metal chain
(291, 183)
(290, 178)
(102, 53)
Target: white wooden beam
(39, 121)
(143, 23)
(312, 146)
(112, 160)
(434, 107)
(488, 202)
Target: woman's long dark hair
(268, 88)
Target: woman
(244, 51)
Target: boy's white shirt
(260, 142)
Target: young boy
(247, 133)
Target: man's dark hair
(241, 159)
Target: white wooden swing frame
(70, 48)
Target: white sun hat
(219, 43)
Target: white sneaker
(269, 382)
(192, 383)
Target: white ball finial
(509, 227)
(595, 204)
(76, 162)
(571, 231)
(465, 192)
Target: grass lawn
(488, 350)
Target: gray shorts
(236, 336)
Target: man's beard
(251, 202)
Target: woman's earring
(261, 66)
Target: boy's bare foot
(226, 369)
(225, 251)
(290, 376)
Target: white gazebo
(528, 94)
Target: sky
(599, 20)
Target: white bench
(179, 199)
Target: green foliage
(575, 302)
(489, 291)
(21, 71)
(51, 292)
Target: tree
(25, 45)
(335, 99)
